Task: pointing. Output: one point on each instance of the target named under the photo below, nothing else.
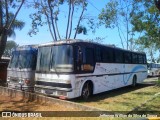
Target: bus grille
(52, 84)
(14, 80)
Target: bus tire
(134, 81)
(86, 91)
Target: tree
(9, 46)
(49, 11)
(8, 21)
(117, 14)
(146, 20)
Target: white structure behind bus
(21, 69)
(153, 69)
(74, 68)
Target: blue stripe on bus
(133, 71)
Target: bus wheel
(134, 81)
(86, 91)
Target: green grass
(158, 82)
(123, 99)
(153, 105)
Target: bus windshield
(22, 59)
(55, 59)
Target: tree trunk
(69, 16)
(3, 40)
(80, 18)
(71, 20)
(51, 14)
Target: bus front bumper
(18, 86)
(57, 92)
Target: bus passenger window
(140, 59)
(107, 55)
(118, 56)
(127, 57)
(89, 60)
(134, 58)
(98, 55)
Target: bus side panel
(138, 70)
(111, 76)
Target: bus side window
(34, 62)
(88, 64)
(140, 59)
(127, 57)
(118, 56)
(107, 55)
(134, 58)
(98, 55)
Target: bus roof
(25, 47)
(71, 41)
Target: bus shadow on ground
(115, 92)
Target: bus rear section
(21, 68)
(72, 68)
(153, 69)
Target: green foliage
(9, 46)
(117, 14)
(108, 16)
(8, 21)
(132, 17)
(17, 24)
(147, 21)
(82, 29)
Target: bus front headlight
(8, 79)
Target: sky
(43, 36)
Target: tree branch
(57, 29)
(80, 18)
(49, 25)
(15, 15)
(51, 12)
(7, 15)
(69, 14)
(71, 20)
(56, 18)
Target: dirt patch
(8, 103)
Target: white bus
(74, 68)
(153, 69)
(21, 68)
